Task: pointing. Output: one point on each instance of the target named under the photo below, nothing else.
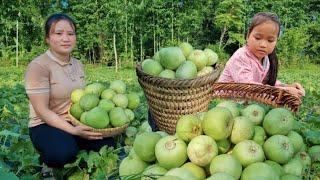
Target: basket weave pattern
(168, 99)
(106, 132)
(260, 93)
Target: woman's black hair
(54, 18)
(258, 19)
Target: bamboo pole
(115, 51)
(17, 43)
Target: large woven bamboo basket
(168, 99)
(269, 95)
(106, 132)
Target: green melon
(118, 86)
(144, 145)
(131, 166)
(108, 94)
(106, 104)
(129, 113)
(133, 100)
(83, 118)
(276, 167)
(94, 88)
(89, 101)
(242, 129)
(255, 113)
(76, 95)
(206, 70)
(167, 73)
(186, 48)
(231, 106)
(118, 117)
(259, 170)
(97, 118)
(120, 100)
(278, 121)
(171, 57)
(199, 58)
(187, 70)
(212, 57)
(151, 67)
(76, 110)
(153, 171)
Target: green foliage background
(132, 30)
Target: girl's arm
(40, 103)
(278, 83)
(241, 71)
(295, 89)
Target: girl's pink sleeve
(242, 72)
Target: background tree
(121, 32)
(229, 18)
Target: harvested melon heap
(183, 62)
(230, 141)
(100, 107)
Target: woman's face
(263, 39)
(62, 38)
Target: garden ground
(19, 155)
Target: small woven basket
(269, 95)
(106, 132)
(168, 99)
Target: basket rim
(104, 131)
(166, 82)
(266, 94)
(251, 84)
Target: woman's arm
(40, 103)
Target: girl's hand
(86, 133)
(300, 88)
(295, 89)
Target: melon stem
(195, 129)
(253, 149)
(170, 145)
(285, 146)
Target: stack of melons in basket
(180, 62)
(100, 107)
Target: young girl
(257, 62)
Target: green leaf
(9, 133)
(8, 175)
(93, 161)
(4, 167)
(98, 174)
(83, 154)
(312, 137)
(76, 163)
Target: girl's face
(263, 39)
(62, 38)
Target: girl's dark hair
(54, 18)
(258, 19)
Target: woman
(49, 81)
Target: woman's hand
(86, 133)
